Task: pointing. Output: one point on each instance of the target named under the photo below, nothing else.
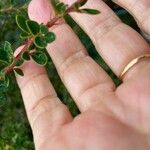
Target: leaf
(20, 62)
(54, 4)
(3, 64)
(44, 29)
(39, 57)
(4, 82)
(21, 22)
(7, 48)
(90, 11)
(8, 52)
(82, 2)
(32, 47)
(50, 37)
(19, 71)
(59, 7)
(24, 35)
(33, 27)
(26, 56)
(40, 42)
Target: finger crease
(48, 97)
(107, 88)
(31, 78)
(103, 28)
(71, 60)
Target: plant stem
(55, 19)
(30, 41)
(10, 67)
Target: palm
(127, 128)
(111, 118)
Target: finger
(84, 79)
(140, 9)
(117, 43)
(81, 75)
(45, 111)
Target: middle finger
(83, 77)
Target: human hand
(111, 118)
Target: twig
(30, 41)
(10, 67)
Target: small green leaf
(82, 2)
(4, 58)
(7, 48)
(24, 35)
(32, 47)
(19, 71)
(54, 4)
(3, 64)
(26, 56)
(21, 22)
(59, 7)
(20, 62)
(44, 29)
(6, 54)
(33, 27)
(4, 82)
(50, 37)
(90, 11)
(40, 42)
(39, 57)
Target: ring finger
(116, 42)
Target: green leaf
(19, 71)
(20, 62)
(26, 56)
(7, 48)
(32, 47)
(40, 42)
(24, 35)
(59, 7)
(6, 54)
(33, 27)
(21, 22)
(82, 2)
(4, 59)
(3, 64)
(54, 4)
(44, 29)
(50, 37)
(4, 82)
(90, 11)
(39, 57)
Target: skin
(111, 118)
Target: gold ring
(132, 63)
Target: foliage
(37, 35)
(15, 133)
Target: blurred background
(15, 132)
